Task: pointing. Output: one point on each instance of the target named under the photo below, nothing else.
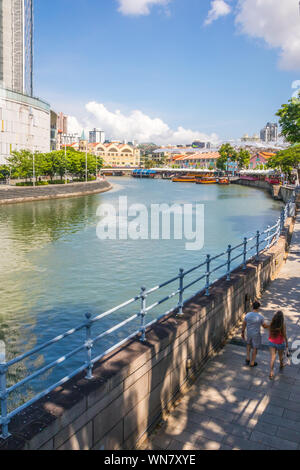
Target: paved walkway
(231, 406)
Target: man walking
(253, 323)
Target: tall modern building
(16, 50)
(97, 137)
(24, 119)
(269, 133)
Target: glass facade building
(16, 45)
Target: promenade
(231, 406)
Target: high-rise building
(24, 120)
(97, 137)
(269, 133)
(16, 49)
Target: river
(54, 269)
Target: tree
(21, 164)
(286, 160)
(243, 158)
(4, 172)
(227, 153)
(289, 121)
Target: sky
(167, 71)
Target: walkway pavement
(232, 406)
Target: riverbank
(14, 194)
(279, 193)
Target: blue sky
(167, 74)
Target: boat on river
(206, 180)
(223, 180)
(184, 179)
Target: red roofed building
(205, 160)
(259, 159)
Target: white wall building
(24, 124)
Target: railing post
(143, 314)
(229, 263)
(268, 235)
(282, 221)
(245, 252)
(208, 261)
(3, 394)
(257, 244)
(89, 346)
(180, 302)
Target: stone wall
(135, 384)
(16, 194)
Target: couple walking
(278, 341)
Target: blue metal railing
(249, 249)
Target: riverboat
(223, 181)
(184, 179)
(206, 180)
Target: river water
(54, 269)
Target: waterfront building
(204, 160)
(96, 136)
(24, 119)
(261, 158)
(115, 155)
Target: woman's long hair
(277, 326)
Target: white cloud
(134, 126)
(218, 8)
(277, 22)
(139, 7)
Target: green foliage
(243, 158)
(227, 152)
(286, 160)
(53, 164)
(289, 115)
(4, 172)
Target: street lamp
(66, 180)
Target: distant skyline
(168, 71)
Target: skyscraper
(269, 133)
(24, 119)
(16, 45)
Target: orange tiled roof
(204, 156)
(267, 154)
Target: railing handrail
(267, 238)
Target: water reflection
(54, 269)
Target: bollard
(180, 302)
(229, 263)
(4, 421)
(208, 261)
(143, 314)
(89, 346)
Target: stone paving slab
(232, 406)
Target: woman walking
(277, 341)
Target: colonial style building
(114, 155)
(260, 160)
(205, 160)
